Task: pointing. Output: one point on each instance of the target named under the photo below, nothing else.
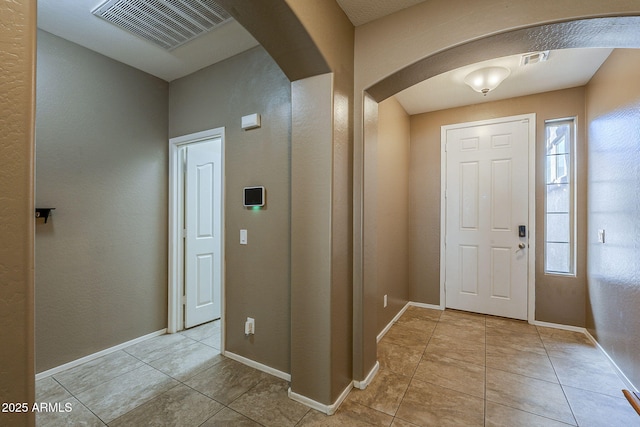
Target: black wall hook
(43, 213)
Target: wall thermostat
(254, 196)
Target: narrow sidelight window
(559, 201)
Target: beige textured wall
(102, 162)
(559, 299)
(332, 33)
(281, 33)
(311, 239)
(17, 97)
(613, 111)
(365, 307)
(392, 212)
(257, 276)
(307, 40)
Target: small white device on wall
(252, 121)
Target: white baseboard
(364, 383)
(97, 355)
(327, 409)
(621, 374)
(401, 312)
(559, 326)
(259, 366)
(430, 306)
(390, 324)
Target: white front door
(487, 200)
(203, 231)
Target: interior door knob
(522, 245)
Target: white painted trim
(390, 324)
(307, 402)
(364, 383)
(256, 365)
(531, 312)
(429, 306)
(531, 118)
(401, 312)
(621, 374)
(558, 326)
(175, 308)
(327, 409)
(175, 248)
(97, 355)
(443, 213)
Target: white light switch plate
(601, 236)
(243, 237)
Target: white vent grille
(534, 58)
(167, 23)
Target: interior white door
(487, 200)
(203, 236)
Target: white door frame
(176, 219)
(531, 253)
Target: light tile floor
(436, 369)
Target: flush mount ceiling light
(486, 79)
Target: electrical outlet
(250, 326)
(385, 300)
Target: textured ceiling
(362, 11)
(564, 69)
(73, 20)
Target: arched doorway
(611, 32)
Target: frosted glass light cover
(486, 79)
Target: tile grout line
(93, 368)
(227, 406)
(564, 393)
(538, 379)
(79, 401)
(151, 398)
(129, 371)
(224, 406)
(414, 371)
(82, 403)
(103, 382)
(180, 382)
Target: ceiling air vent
(167, 23)
(534, 58)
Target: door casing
(176, 219)
(532, 208)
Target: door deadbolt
(522, 231)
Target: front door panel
(486, 200)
